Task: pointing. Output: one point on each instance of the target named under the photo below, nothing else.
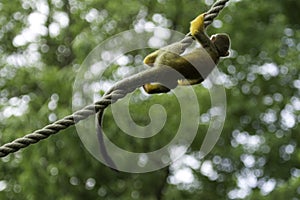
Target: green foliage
(257, 155)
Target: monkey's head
(222, 43)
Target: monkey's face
(222, 43)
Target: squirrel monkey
(191, 64)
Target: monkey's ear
(226, 54)
(213, 38)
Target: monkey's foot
(197, 24)
(155, 88)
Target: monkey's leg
(185, 82)
(155, 88)
(150, 59)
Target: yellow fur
(197, 24)
(150, 59)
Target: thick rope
(109, 98)
(213, 12)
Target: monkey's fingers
(197, 24)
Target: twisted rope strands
(213, 12)
(109, 98)
(61, 124)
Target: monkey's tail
(164, 75)
(100, 137)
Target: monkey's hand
(150, 59)
(197, 24)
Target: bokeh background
(43, 44)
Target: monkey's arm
(179, 47)
(167, 56)
(175, 48)
(150, 59)
(197, 30)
